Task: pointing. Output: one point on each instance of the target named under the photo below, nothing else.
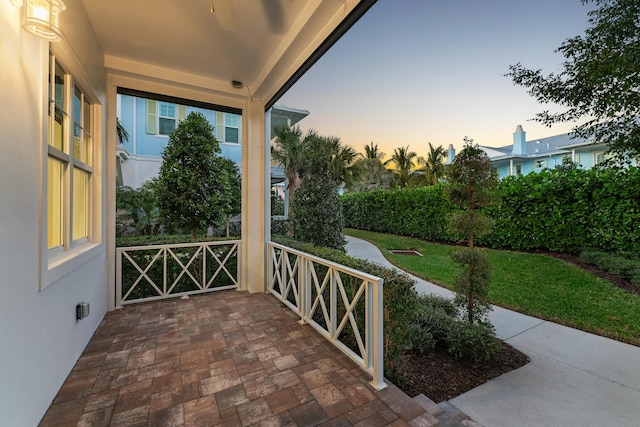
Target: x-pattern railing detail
(315, 289)
(184, 270)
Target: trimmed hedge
(416, 212)
(560, 211)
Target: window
(599, 158)
(540, 164)
(69, 161)
(516, 170)
(166, 118)
(232, 128)
(163, 117)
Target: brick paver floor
(228, 358)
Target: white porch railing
(339, 302)
(147, 273)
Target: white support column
(109, 201)
(255, 188)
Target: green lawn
(534, 284)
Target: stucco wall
(39, 335)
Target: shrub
(623, 264)
(416, 212)
(472, 342)
(436, 324)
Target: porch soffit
(261, 43)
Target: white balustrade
(344, 305)
(147, 273)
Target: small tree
(472, 183)
(193, 183)
(234, 190)
(316, 216)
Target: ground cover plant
(531, 283)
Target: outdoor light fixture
(41, 17)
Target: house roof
(206, 44)
(539, 147)
(283, 115)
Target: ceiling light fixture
(42, 17)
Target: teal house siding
(148, 123)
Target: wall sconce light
(41, 17)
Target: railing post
(164, 272)
(203, 248)
(118, 278)
(376, 346)
(333, 302)
(302, 281)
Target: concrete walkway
(574, 378)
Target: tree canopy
(194, 190)
(403, 161)
(599, 79)
(316, 215)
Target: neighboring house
(58, 104)
(523, 157)
(149, 122)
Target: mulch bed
(439, 377)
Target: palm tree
(343, 157)
(371, 151)
(433, 166)
(402, 159)
(121, 132)
(372, 176)
(288, 150)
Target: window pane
(80, 204)
(77, 106)
(167, 109)
(231, 134)
(54, 203)
(86, 117)
(86, 148)
(232, 120)
(57, 139)
(77, 143)
(59, 89)
(166, 126)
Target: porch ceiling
(258, 42)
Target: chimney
(519, 142)
(451, 154)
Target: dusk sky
(417, 71)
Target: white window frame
(60, 260)
(237, 126)
(596, 154)
(541, 164)
(517, 169)
(166, 117)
